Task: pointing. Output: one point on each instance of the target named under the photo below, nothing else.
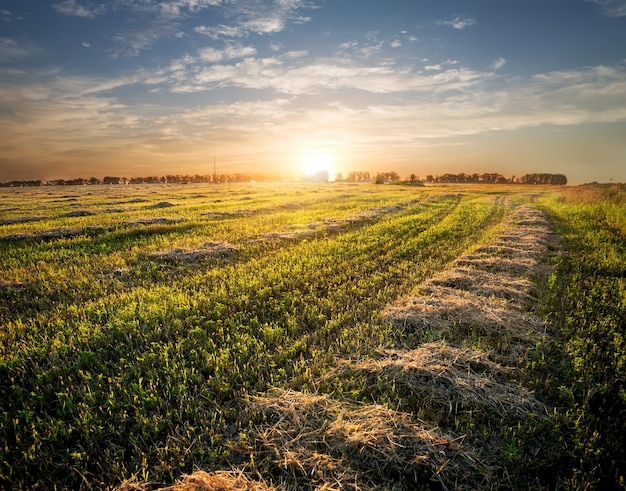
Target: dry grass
(328, 225)
(210, 250)
(317, 441)
(162, 204)
(485, 284)
(8, 286)
(299, 234)
(486, 293)
(206, 481)
(458, 315)
(24, 219)
(228, 214)
(55, 233)
(445, 382)
(151, 221)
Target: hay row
(210, 250)
(318, 442)
(66, 232)
(206, 481)
(446, 382)
(485, 294)
(24, 219)
(330, 225)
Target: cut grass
(139, 354)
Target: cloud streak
(612, 8)
(459, 23)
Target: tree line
(495, 178)
(354, 176)
(167, 179)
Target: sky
(154, 87)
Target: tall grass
(587, 302)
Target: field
(313, 336)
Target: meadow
(313, 336)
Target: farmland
(306, 336)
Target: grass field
(303, 336)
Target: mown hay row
(444, 382)
(206, 481)
(210, 250)
(484, 283)
(330, 225)
(458, 315)
(315, 440)
(486, 294)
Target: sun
(313, 163)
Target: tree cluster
(555, 179)
(356, 176)
(168, 179)
(495, 178)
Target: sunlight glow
(316, 162)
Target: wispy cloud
(612, 8)
(256, 17)
(88, 10)
(11, 49)
(229, 52)
(497, 64)
(458, 22)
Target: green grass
(586, 301)
(115, 365)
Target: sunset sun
(313, 163)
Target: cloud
(87, 10)
(333, 74)
(256, 17)
(458, 22)
(497, 64)
(10, 49)
(612, 8)
(230, 51)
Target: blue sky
(147, 87)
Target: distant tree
(339, 177)
(390, 176)
(542, 178)
(413, 178)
